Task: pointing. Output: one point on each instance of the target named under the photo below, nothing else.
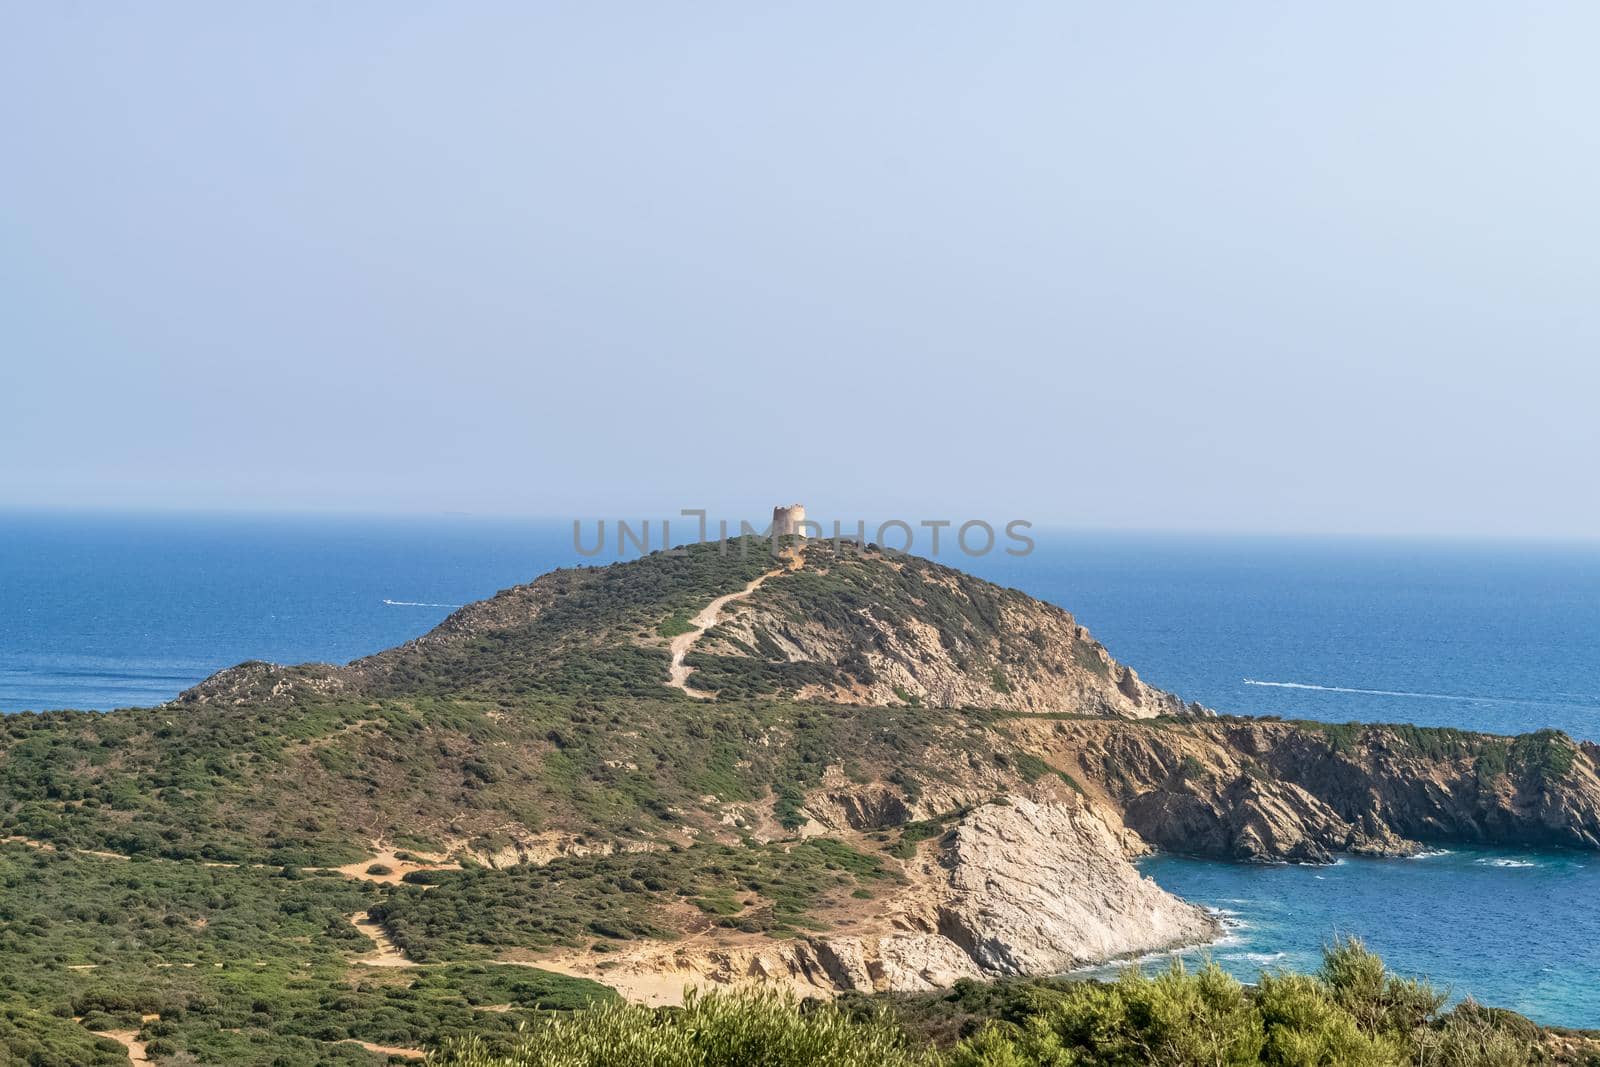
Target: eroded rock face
(1016, 888)
(875, 629)
(1276, 791)
(1043, 888)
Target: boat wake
(1413, 694)
(416, 604)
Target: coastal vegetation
(217, 964)
(1353, 1013)
(339, 865)
(772, 889)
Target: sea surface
(101, 611)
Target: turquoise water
(1513, 929)
(108, 611)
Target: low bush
(1353, 1013)
(712, 1030)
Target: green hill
(521, 792)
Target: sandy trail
(129, 1039)
(387, 953)
(45, 846)
(398, 868)
(652, 989)
(709, 616)
(660, 977)
(388, 1050)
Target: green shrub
(675, 624)
(1305, 1028)
(1175, 1019)
(711, 1030)
(1473, 1036)
(1381, 1003)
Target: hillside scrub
(1353, 1013)
(238, 965)
(770, 889)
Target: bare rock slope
(857, 626)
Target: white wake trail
(416, 604)
(1413, 695)
(1366, 692)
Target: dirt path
(388, 1050)
(709, 616)
(659, 976)
(397, 867)
(653, 989)
(387, 953)
(45, 846)
(129, 1039)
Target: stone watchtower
(787, 520)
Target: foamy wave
(1432, 853)
(416, 604)
(1502, 862)
(1260, 958)
(1166, 955)
(1230, 921)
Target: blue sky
(1204, 267)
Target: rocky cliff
(1274, 791)
(1015, 887)
(857, 626)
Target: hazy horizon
(1232, 269)
(684, 529)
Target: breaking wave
(1261, 958)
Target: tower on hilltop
(788, 520)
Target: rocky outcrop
(1044, 888)
(259, 682)
(1016, 887)
(1276, 791)
(858, 627)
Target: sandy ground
(658, 975)
(398, 868)
(387, 953)
(709, 616)
(388, 1050)
(45, 846)
(129, 1039)
(30, 842)
(653, 989)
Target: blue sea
(102, 611)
